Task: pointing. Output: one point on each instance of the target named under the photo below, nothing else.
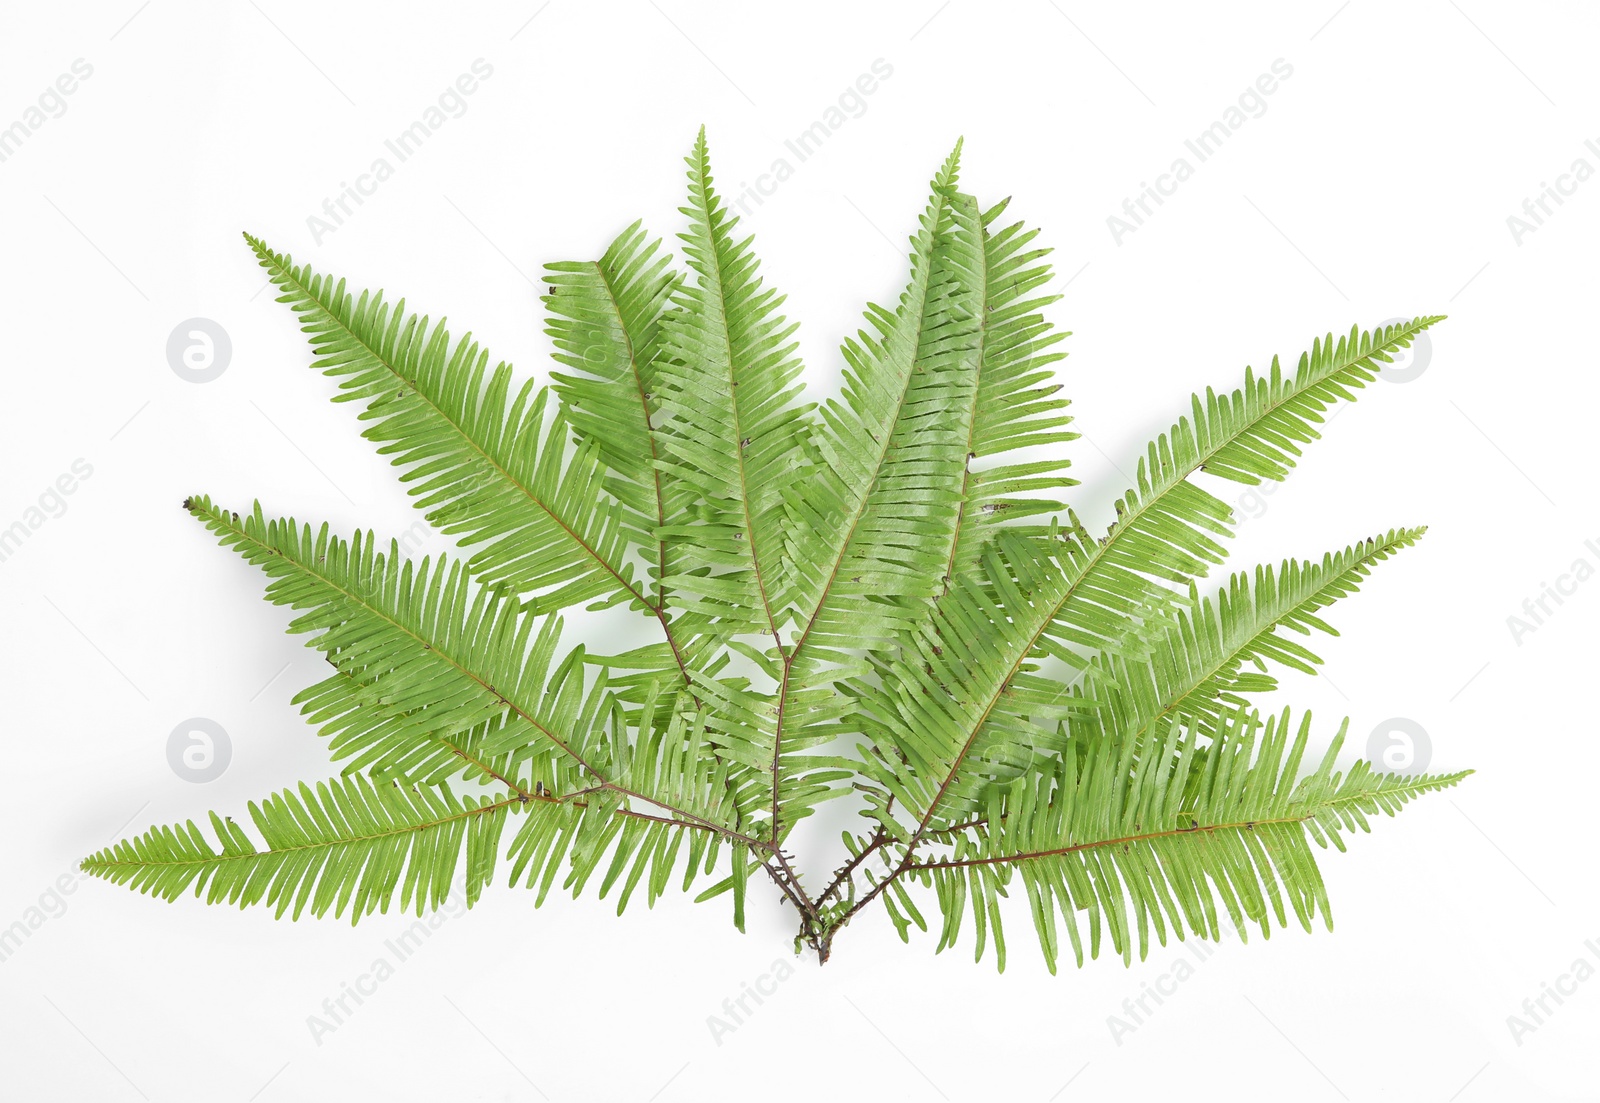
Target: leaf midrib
(327, 844)
(658, 607)
(714, 260)
(972, 412)
(1416, 788)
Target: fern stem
(846, 872)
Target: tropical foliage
(879, 599)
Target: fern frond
(869, 526)
(369, 737)
(605, 320)
(938, 695)
(484, 458)
(349, 845)
(671, 755)
(1195, 671)
(729, 381)
(1151, 834)
(1166, 527)
(873, 527)
(437, 667)
(1202, 667)
(1014, 405)
(953, 377)
(1071, 596)
(888, 574)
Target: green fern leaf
(1014, 404)
(1151, 834)
(345, 846)
(876, 597)
(1071, 597)
(1196, 671)
(728, 381)
(605, 320)
(484, 459)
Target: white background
(1377, 183)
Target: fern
(880, 598)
